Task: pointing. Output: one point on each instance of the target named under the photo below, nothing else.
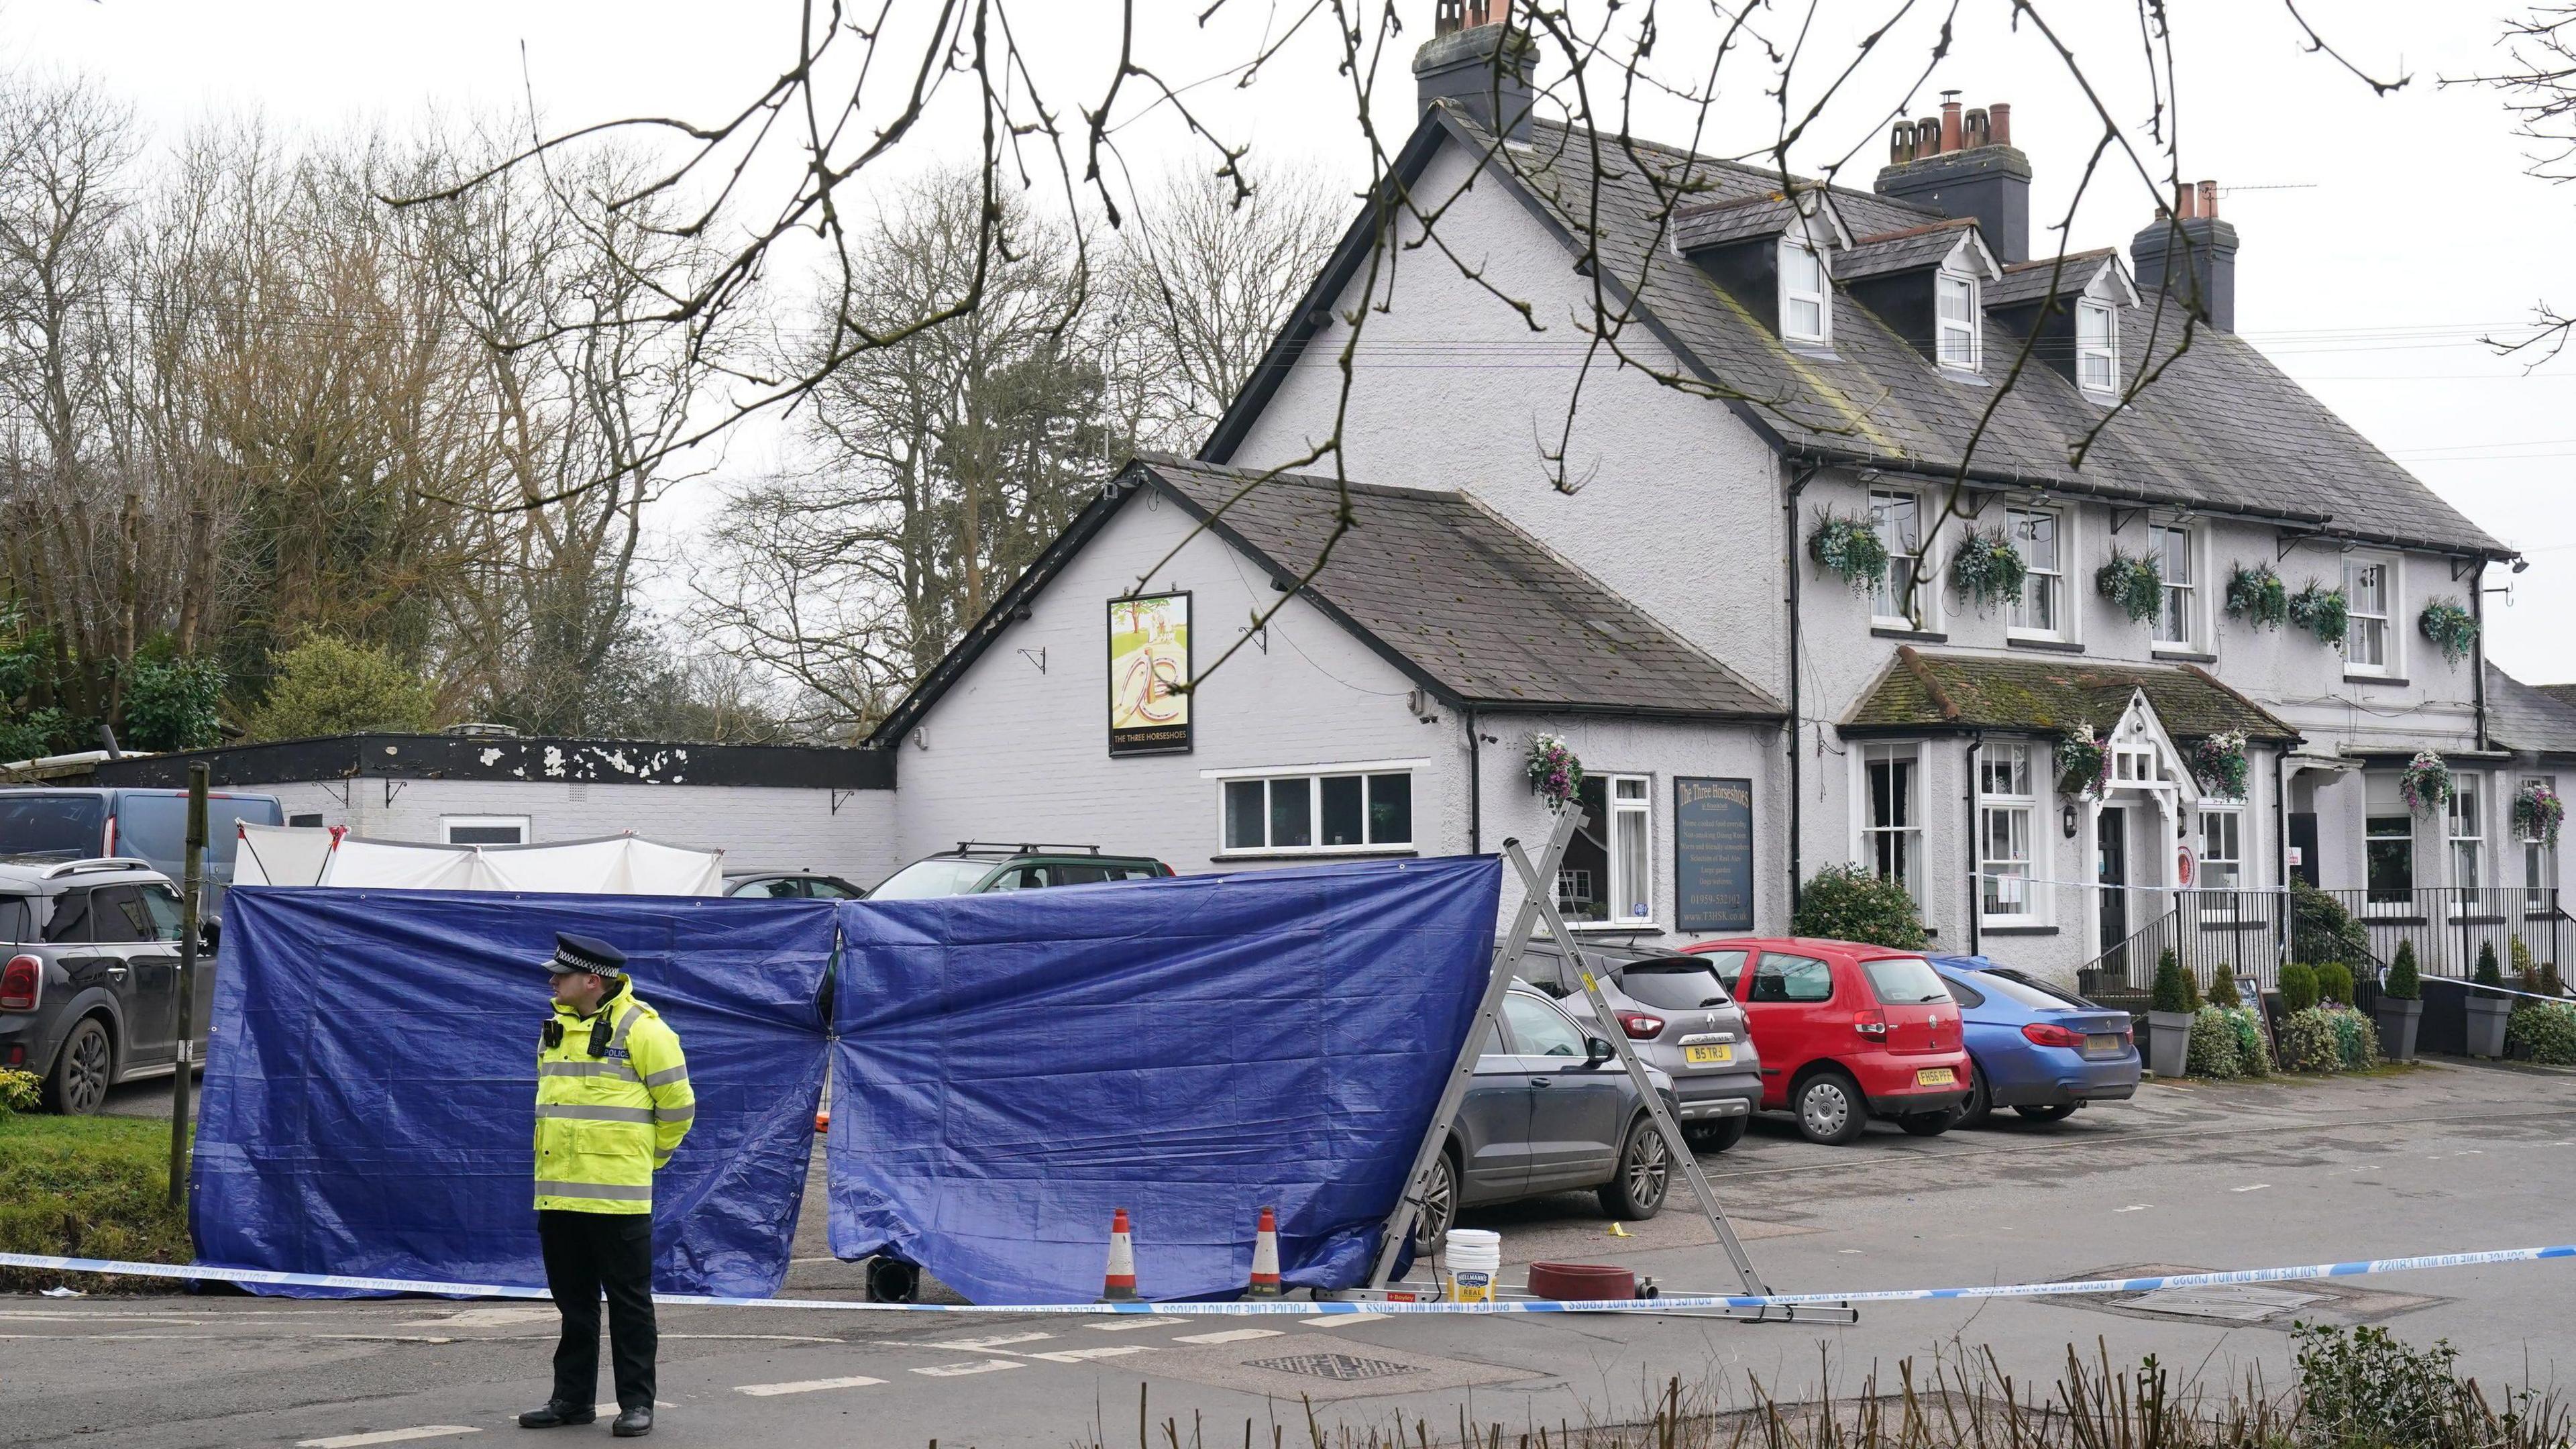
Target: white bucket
(1475, 1258)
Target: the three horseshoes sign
(1149, 669)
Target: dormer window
(1805, 314)
(1956, 320)
(2097, 347)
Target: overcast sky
(2381, 236)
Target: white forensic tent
(625, 864)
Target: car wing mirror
(209, 931)
(1596, 1051)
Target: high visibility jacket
(605, 1124)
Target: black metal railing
(2450, 926)
(2246, 930)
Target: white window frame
(1792, 243)
(2211, 813)
(1314, 775)
(2405, 904)
(2016, 615)
(2539, 857)
(1628, 812)
(1969, 354)
(2104, 352)
(2390, 604)
(2464, 849)
(1882, 592)
(448, 825)
(1907, 837)
(2024, 765)
(2187, 608)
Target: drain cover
(1342, 1367)
(2228, 1303)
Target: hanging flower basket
(2537, 813)
(2258, 596)
(1987, 568)
(1847, 547)
(2425, 782)
(2219, 763)
(1554, 773)
(2133, 584)
(2322, 612)
(2452, 629)
(2083, 762)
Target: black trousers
(587, 1253)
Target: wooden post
(195, 877)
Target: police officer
(613, 1102)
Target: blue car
(2039, 1049)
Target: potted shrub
(2401, 1006)
(2334, 983)
(2489, 1013)
(2169, 1018)
(2298, 987)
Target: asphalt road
(2443, 1158)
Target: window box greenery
(1846, 546)
(2257, 596)
(2452, 629)
(2321, 611)
(2538, 813)
(2133, 584)
(2426, 783)
(2219, 763)
(1987, 568)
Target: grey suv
(1677, 1013)
(89, 989)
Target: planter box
(2397, 1023)
(2487, 1018)
(2168, 1042)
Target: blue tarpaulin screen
(1012, 1067)
(370, 1086)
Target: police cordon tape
(1257, 1307)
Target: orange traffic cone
(1265, 1258)
(1118, 1285)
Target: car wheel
(1929, 1124)
(1439, 1205)
(2052, 1112)
(1981, 1102)
(1636, 1191)
(1715, 1136)
(77, 1086)
(893, 1282)
(1830, 1109)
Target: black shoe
(633, 1424)
(557, 1414)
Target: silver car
(1677, 1013)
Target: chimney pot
(1449, 18)
(2209, 199)
(1956, 164)
(1927, 137)
(1950, 137)
(2186, 201)
(1999, 123)
(1900, 144)
(1975, 128)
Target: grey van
(48, 823)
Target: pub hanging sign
(1149, 669)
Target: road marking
(961, 1370)
(1336, 1320)
(806, 1386)
(2135, 1207)
(2251, 1187)
(988, 1344)
(1235, 1335)
(1110, 1350)
(387, 1436)
(1122, 1325)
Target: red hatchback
(1848, 1032)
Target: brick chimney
(2197, 250)
(1479, 66)
(1962, 163)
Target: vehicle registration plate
(1936, 1077)
(1701, 1054)
(2102, 1045)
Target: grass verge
(95, 1187)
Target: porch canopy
(1940, 693)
